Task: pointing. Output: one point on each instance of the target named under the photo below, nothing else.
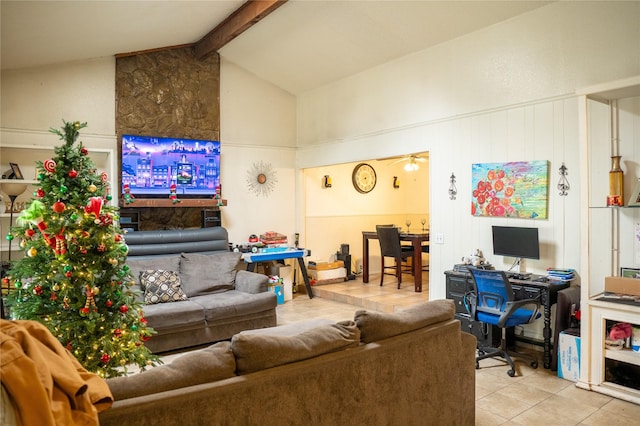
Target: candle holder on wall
(563, 184)
(453, 191)
(396, 182)
(326, 181)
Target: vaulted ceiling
(300, 46)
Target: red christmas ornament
(109, 303)
(117, 332)
(117, 238)
(37, 290)
(58, 206)
(145, 338)
(84, 151)
(54, 297)
(102, 247)
(143, 320)
(124, 309)
(105, 358)
(68, 274)
(29, 233)
(69, 345)
(84, 311)
(73, 174)
(40, 193)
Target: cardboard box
(622, 285)
(328, 274)
(323, 266)
(279, 291)
(286, 273)
(569, 357)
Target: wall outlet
(438, 238)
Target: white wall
(504, 93)
(257, 123)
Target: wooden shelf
(623, 355)
(161, 202)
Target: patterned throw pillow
(161, 286)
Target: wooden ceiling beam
(238, 22)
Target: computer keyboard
(517, 276)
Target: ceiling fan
(412, 160)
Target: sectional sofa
(414, 367)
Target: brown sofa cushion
(202, 366)
(378, 325)
(208, 273)
(269, 347)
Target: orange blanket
(46, 383)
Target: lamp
(453, 191)
(13, 190)
(411, 166)
(396, 182)
(326, 181)
(563, 184)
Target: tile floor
(533, 397)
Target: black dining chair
(389, 238)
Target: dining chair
(389, 238)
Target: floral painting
(517, 189)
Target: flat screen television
(150, 165)
(512, 241)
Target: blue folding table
(292, 253)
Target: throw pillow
(161, 286)
(378, 325)
(201, 366)
(269, 347)
(208, 273)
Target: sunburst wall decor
(261, 178)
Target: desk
(416, 242)
(252, 258)
(459, 283)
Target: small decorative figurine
(128, 196)
(173, 196)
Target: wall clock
(363, 178)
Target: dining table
(417, 239)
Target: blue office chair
(493, 302)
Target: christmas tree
(73, 277)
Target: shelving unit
(25, 156)
(609, 116)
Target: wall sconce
(396, 182)
(326, 181)
(453, 191)
(563, 184)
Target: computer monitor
(512, 241)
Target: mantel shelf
(160, 202)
